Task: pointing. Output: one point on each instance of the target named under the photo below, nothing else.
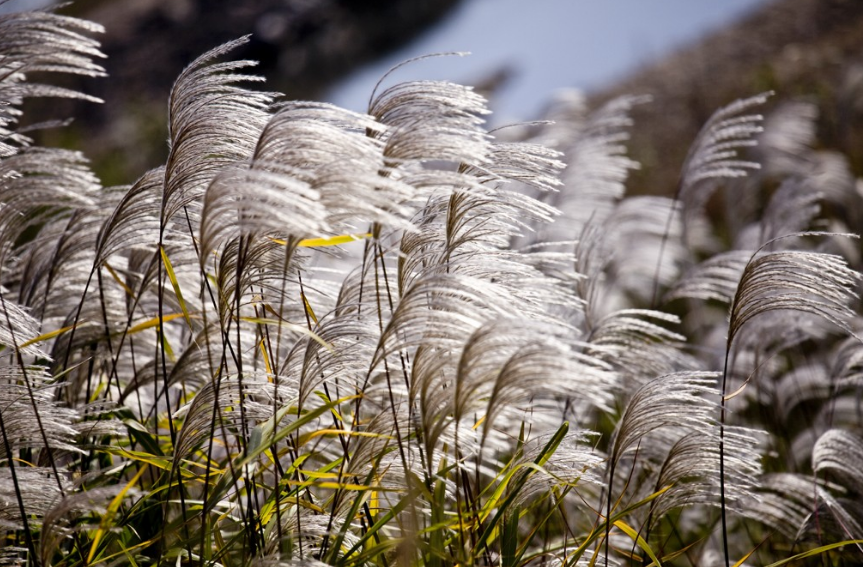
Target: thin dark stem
(722, 410)
(608, 509)
(162, 358)
(675, 203)
(33, 403)
(18, 496)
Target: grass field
(395, 338)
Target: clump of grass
(321, 337)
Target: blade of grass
(327, 241)
(169, 269)
(599, 531)
(636, 537)
(111, 511)
(540, 460)
(817, 551)
(46, 336)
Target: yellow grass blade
(173, 277)
(478, 423)
(117, 279)
(817, 551)
(266, 356)
(331, 485)
(109, 513)
(126, 550)
(636, 537)
(45, 336)
(164, 463)
(309, 310)
(327, 241)
(745, 557)
(154, 322)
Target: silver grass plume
(804, 508)
(647, 252)
(714, 279)
(712, 156)
(134, 222)
(714, 153)
(638, 346)
(53, 268)
(594, 151)
(629, 255)
(340, 155)
(784, 502)
(212, 123)
(431, 121)
(222, 397)
(39, 183)
(40, 492)
(35, 42)
(784, 151)
(576, 465)
(18, 328)
(820, 284)
(840, 453)
(679, 401)
(792, 209)
(785, 145)
(674, 415)
(31, 418)
(250, 201)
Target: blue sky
(549, 44)
(18, 5)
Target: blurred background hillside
(691, 56)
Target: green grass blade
(540, 460)
(817, 551)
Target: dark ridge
(801, 49)
(303, 46)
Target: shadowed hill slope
(302, 47)
(808, 50)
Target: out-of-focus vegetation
(805, 50)
(301, 46)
